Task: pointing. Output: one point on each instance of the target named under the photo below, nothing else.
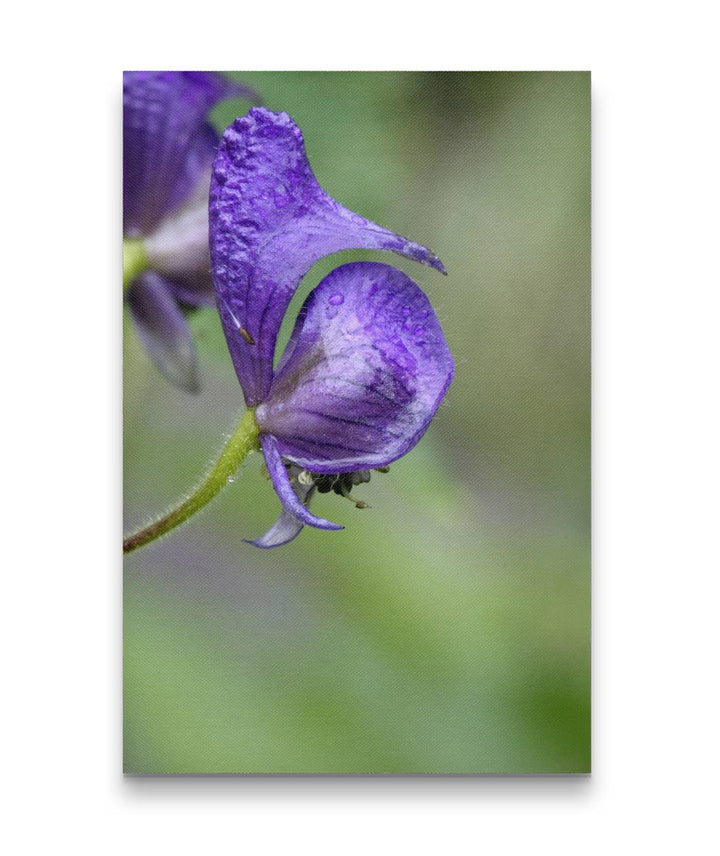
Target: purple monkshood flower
(367, 364)
(168, 150)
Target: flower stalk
(134, 260)
(243, 441)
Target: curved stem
(134, 260)
(243, 441)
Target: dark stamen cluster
(341, 483)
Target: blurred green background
(447, 628)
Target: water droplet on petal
(336, 299)
(406, 310)
(281, 197)
(419, 330)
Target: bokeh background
(447, 628)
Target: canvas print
(356, 312)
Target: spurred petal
(165, 139)
(163, 330)
(270, 221)
(363, 374)
(287, 527)
(281, 482)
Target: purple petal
(287, 527)
(193, 290)
(197, 167)
(178, 249)
(224, 86)
(363, 373)
(281, 482)
(163, 330)
(270, 221)
(165, 139)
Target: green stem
(134, 260)
(243, 441)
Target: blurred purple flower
(367, 364)
(168, 149)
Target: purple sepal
(362, 375)
(281, 482)
(166, 139)
(193, 291)
(270, 221)
(178, 248)
(197, 168)
(286, 527)
(163, 329)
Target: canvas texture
(380, 284)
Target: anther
(243, 332)
(358, 503)
(246, 335)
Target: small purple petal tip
(287, 527)
(281, 482)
